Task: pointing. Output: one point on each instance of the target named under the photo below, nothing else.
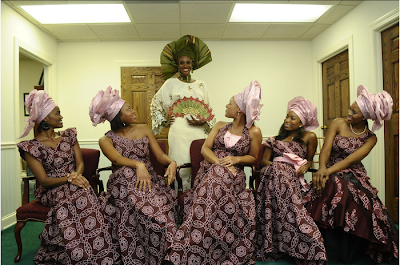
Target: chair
(317, 154)
(36, 212)
(158, 167)
(195, 158)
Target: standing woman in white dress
(184, 55)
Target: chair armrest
(25, 196)
(178, 177)
(313, 170)
(98, 180)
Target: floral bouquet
(192, 106)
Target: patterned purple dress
(349, 201)
(76, 230)
(284, 225)
(219, 222)
(145, 223)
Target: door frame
(346, 44)
(378, 153)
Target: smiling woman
(76, 230)
(182, 57)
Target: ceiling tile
(158, 31)
(204, 31)
(154, 13)
(349, 2)
(72, 32)
(245, 30)
(117, 31)
(286, 30)
(28, 3)
(321, 2)
(334, 14)
(201, 12)
(314, 31)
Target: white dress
(181, 134)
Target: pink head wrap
(105, 106)
(249, 102)
(377, 107)
(39, 104)
(306, 111)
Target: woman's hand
(194, 122)
(229, 161)
(170, 173)
(142, 178)
(232, 169)
(302, 170)
(78, 180)
(170, 120)
(319, 179)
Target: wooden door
(390, 64)
(138, 86)
(335, 88)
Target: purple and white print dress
(145, 222)
(76, 230)
(284, 226)
(219, 221)
(350, 201)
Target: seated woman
(76, 230)
(350, 214)
(283, 225)
(219, 221)
(145, 206)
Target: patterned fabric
(181, 134)
(219, 221)
(145, 222)
(283, 224)
(351, 202)
(76, 230)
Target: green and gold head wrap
(188, 45)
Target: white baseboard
(8, 221)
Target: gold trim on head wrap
(188, 45)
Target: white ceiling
(171, 19)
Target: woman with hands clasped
(284, 227)
(144, 206)
(348, 210)
(76, 230)
(219, 213)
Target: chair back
(91, 159)
(158, 167)
(196, 157)
(315, 163)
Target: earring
(238, 113)
(45, 125)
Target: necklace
(351, 127)
(233, 131)
(185, 78)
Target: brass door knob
(324, 127)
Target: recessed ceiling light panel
(82, 13)
(277, 12)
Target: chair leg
(17, 233)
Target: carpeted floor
(30, 244)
